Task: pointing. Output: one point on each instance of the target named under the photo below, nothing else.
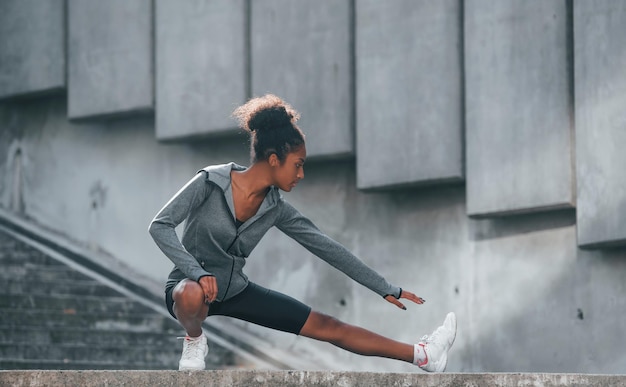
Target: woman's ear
(273, 160)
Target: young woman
(228, 208)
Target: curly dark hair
(271, 123)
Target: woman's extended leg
(190, 310)
(354, 339)
(361, 341)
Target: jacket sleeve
(303, 231)
(177, 209)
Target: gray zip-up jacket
(212, 244)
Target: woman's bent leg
(189, 306)
(354, 339)
(190, 310)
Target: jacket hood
(220, 175)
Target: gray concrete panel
(600, 83)
(518, 107)
(301, 51)
(32, 50)
(201, 66)
(110, 66)
(409, 93)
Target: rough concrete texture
(519, 132)
(600, 27)
(301, 51)
(408, 92)
(110, 61)
(32, 48)
(201, 66)
(296, 378)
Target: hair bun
(270, 119)
(266, 113)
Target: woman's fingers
(209, 288)
(412, 297)
(395, 301)
(213, 290)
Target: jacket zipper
(232, 268)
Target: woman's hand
(209, 288)
(407, 295)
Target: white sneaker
(436, 346)
(195, 350)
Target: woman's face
(291, 171)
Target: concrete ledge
(297, 378)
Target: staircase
(55, 317)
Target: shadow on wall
(510, 225)
(16, 167)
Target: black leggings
(258, 305)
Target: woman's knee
(188, 297)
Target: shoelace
(429, 339)
(193, 348)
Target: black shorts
(260, 306)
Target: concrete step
(56, 364)
(161, 354)
(254, 378)
(86, 337)
(54, 319)
(82, 287)
(79, 303)
(22, 255)
(34, 273)
(98, 345)
(164, 355)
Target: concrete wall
(201, 66)
(302, 51)
(518, 285)
(519, 106)
(600, 121)
(527, 298)
(32, 47)
(409, 92)
(110, 67)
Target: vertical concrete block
(32, 48)
(600, 84)
(518, 106)
(302, 52)
(110, 67)
(201, 66)
(408, 92)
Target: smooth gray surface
(518, 103)
(297, 378)
(110, 61)
(201, 66)
(408, 92)
(600, 63)
(301, 51)
(32, 48)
